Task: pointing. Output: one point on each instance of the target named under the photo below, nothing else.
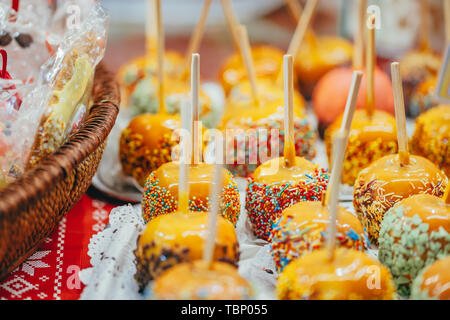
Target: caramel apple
(301, 228)
(267, 60)
(274, 187)
(386, 181)
(197, 281)
(179, 237)
(147, 143)
(161, 189)
(395, 177)
(350, 275)
(371, 137)
(414, 233)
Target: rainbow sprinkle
(158, 200)
(264, 203)
(288, 243)
(239, 147)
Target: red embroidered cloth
(51, 273)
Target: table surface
(51, 273)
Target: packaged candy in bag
(23, 34)
(70, 75)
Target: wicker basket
(31, 208)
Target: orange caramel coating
(317, 56)
(350, 275)
(370, 138)
(403, 181)
(385, 182)
(432, 210)
(178, 237)
(276, 171)
(366, 128)
(268, 61)
(150, 126)
(314, 213)
(201, 177)
(195, 281)
(434, 281)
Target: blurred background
(268, 21)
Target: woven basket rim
(93, 132)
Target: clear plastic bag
(54, 92)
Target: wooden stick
(246, 54)
(160, 47)
(370, 67)
(183, 185)
(151, 35)
(232, 21)
(299, 34)
(424, 27)
(400, 114)
(350, 105)
(358, 53)
(447, 195)
(447, 20)
(349, 112)
(216, 190)
(294, 8)
(195, 97)
(194, 42)
(289, 145)
(302, 26)
(339, 146)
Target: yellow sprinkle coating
(361, 154)
(138, 160)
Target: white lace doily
(112, 258)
